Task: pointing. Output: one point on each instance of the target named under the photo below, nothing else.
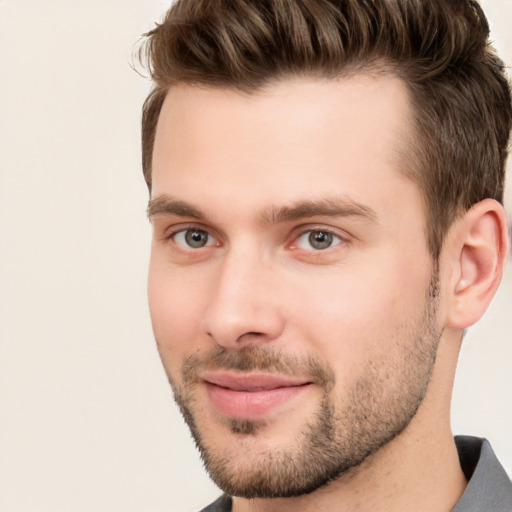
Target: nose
(243, 309)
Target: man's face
(292, 295)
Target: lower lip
(251, 404)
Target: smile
(251, 396)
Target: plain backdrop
(87, 421)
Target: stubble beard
(374, 411)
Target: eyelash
(333, 238)
(183, 230)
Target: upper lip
(251, 381)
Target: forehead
(305, 137)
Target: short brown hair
(440, 48)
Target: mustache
(257, 358)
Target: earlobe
(482, 240)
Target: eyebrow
(165, 205)
(326, 207)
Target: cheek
(352, 316)
(175, 304)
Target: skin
(246, 170)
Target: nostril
(255, 336)
(234, 326)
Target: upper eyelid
(338, 232)
(330, 231)
(171, 231)
(174, 232)
(293, 234)
(183, 243)
(340, 239)
(184, 248)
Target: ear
(479, 248)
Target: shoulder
(223, 504)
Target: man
(326, 180)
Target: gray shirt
(489, 488)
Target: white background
(87, 422)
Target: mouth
(251, 396)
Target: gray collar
(489, 488)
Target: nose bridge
(241, 310)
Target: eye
(193, 238)
(317, 240)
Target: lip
(250, 395)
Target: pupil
(196, 238)
(320, 239)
